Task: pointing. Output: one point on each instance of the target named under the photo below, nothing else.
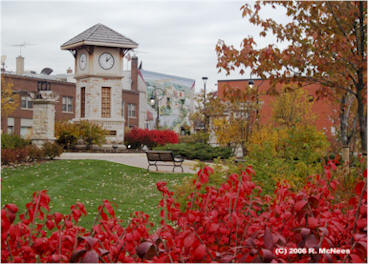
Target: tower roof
(99, 35)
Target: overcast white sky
(174, 37)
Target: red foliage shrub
(137, 137)
(10, 156)
(230, 224)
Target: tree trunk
(360, 86)
(363, 127)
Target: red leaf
(81, 207)
(311, 241)
(189, 240)
(49, 224)
(299, 205)
(361, 223)
(213, 227)
(200, 252)
(250, 170)
(356, 259)
(267, 255)
(12, 207)
(312, 222)
(359, 187)
(267, 239)
(76, 255)
(58, 217)
(109, 208)
(203, 178)
(146, 250)
(90, 257)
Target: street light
(204, 83)
(204, 101)
(154, 102)
(251, 83)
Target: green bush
(199, 137)
(200, 151)
(13, 142)
(286, 153)
(91, 133)
(51, 150)
(68, 133)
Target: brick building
(19, 122)
(324, 109)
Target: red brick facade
(132, 98)
(24, 84)
(322, 108)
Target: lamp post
(205, 89)
(204, 102)
(154, 102)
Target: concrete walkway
(131, 159)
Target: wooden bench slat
(163, 156)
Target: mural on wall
(175, 96)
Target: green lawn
(87, 181)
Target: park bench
(155, 157)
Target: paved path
(132, 159)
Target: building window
(10, 129)
(26, 132)
(26, 102)
(67, 104)
(123, 109)
(105, 102)
(26, 128)
(131, 110)
(82, 102)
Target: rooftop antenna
(21, 45)
(3, 58)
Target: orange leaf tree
(326, 43)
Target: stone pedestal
(43, 121)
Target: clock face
(83, 61)
(106, 61)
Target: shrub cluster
(230, 224)
(286, 153)
(30, 153)
(68, 134)
(138, 137)
(200, 151)
(13, 141)
(199, 137)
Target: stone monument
(43, 117)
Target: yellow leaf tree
(9, 100)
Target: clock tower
(98, 53)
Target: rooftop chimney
(19, 69)
(134, 73)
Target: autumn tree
(293, 107)
(324, 43)
(9, 100)
(235, 116)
